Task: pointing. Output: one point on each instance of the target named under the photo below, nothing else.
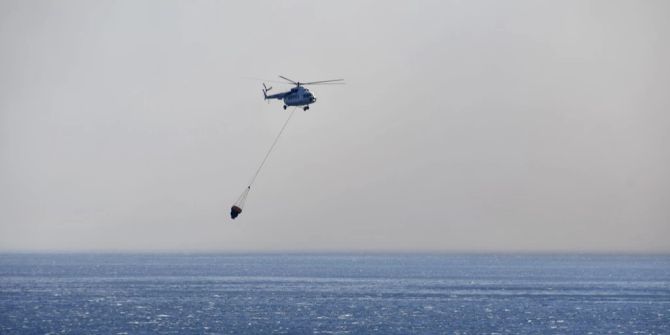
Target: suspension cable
(270, 150)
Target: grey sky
(464, 125)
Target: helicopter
(298, 95)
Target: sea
(333, 293)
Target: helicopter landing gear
(305, 108)
(284, 107)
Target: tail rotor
(265, 91)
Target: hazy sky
(464, 125)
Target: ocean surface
(333, 294)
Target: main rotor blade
(324, 84)
(294, 82)
(279, 82)
(321, 81)
(267, 80)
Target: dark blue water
(333, 293)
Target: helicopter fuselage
(297, 96)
